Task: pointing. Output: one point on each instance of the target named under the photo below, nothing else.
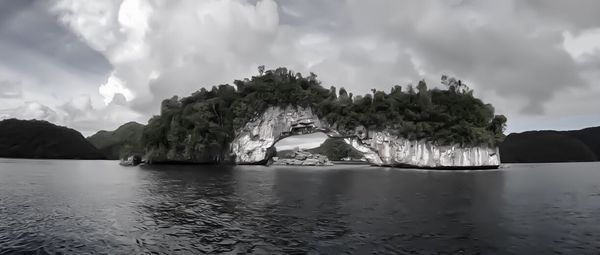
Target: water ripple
(85, 207)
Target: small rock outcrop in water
(303, 158)
(43, 140)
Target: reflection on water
(101, 207)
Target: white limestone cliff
(395, 151)
(253, 142)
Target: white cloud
(114, 86)
(95, 21)
(308, 141)
(586, 43)
(81, 114)
(172, 47)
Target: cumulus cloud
(113, 87)
(215, 40)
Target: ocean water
(99, 207)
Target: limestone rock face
(253, 142)
(395, 151)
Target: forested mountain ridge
(336, 149)
(43, 140)
(552, 146)
(126, 140)
(200, 127)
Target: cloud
(33, 110)
(576, 14)
(215, 40)
(584, 45)
(357, 44)
(81, 114)
(10, 89)
(44, 61)
(113, 87)
(528, 58)
(77, 113)
(308, 141)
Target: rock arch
(254, 141)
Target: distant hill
(334, 149)
(121, 142)
(43, 140)
(552, 146)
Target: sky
(94, 65)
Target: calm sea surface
(99, 207)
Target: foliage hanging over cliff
(200, 127)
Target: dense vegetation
(120, 143)
(43, 140)
(200, 127)
(552, 146)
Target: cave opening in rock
(316, 145)
(300, 142)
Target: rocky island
(428, 128)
